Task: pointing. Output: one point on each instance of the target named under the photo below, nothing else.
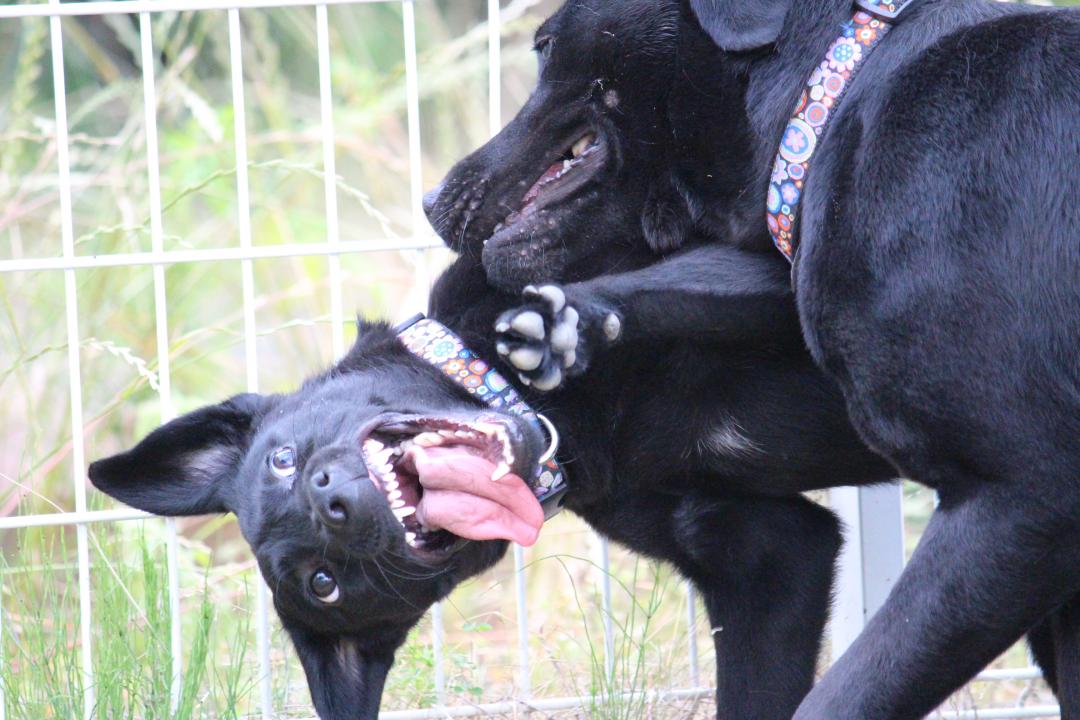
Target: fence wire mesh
(197, 191)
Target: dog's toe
(530, 324)
(549, 380)
(526, 358)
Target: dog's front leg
(714, 294)
(1055, 643)
(987, 569)
(765, 579)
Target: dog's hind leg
(764, 569)
(988, 569)
(1055, 643)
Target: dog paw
(551, 337)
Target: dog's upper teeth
(373, 446)
(396, 504)
(410, 537)
(581, 146)
(394, 495)
(428, 439)
(402, 512)
(566, 165)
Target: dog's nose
(430, 198)
(337, 495)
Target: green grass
(39, 605)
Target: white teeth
(382, 457)
(373, 446)
(397, 504)
(386, 470)
(488, 429)
(410, 537)
(464, 434)
(500, 471)
(581, 146)
(566, 165)
(394, 495)
(401, 512)
(428, 439)
(391, 485)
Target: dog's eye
(283, 462)
(325, 587)
(544, 45)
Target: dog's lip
(549, 190)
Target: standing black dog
(938, 277)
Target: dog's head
(590, 142)
(636, 133)
(323, 487)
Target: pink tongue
(460, 496)
(535, 189)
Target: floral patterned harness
(436, 344)
(817, 104)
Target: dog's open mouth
(575, 167)
(447, 479)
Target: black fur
(216, 460)
(937, 280)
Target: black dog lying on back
(937, 278)
(689, 447)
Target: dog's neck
(772, 81)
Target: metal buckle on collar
(884, 9)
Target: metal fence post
(872, 557)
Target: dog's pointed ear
(345, 676)
(740, 25)
(372, 338)
(187, 466)
(665, 218)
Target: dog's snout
(431, 197)
(336, 495)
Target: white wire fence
(875, 551)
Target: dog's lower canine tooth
(501, 470)
(403, 512)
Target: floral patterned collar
(817, 105)
(438, 345)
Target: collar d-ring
(553, 435)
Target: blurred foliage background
(117, 347)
